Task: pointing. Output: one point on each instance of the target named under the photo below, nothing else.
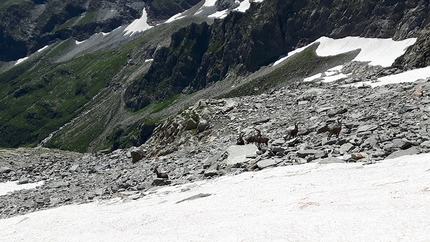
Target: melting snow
(382, 52)
(21, 60)
(79, 42)
(7, 187)
(138, 25)
(407, 76)
(386, 201)
(42, 49)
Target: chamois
(240, 140)
(292, 133)
(335, 129)
(260, 139)
(160, 174)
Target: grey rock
(23, 180)
(345, 148)
(59, 184)
(191, 124)
(136, 155)
(211, 172)
(410, 151)
(304, 153)
(425, 144)
(161, 182)
(74, 168)
(329, 160)
(203, 125)
(366, 128)
(266, 163)
(5, 169)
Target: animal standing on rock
(240, 140)
(160, 174)
(259, 139)
(335, 129)
(292, 133)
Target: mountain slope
(109, 89)
(243, 43)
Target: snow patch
(386, 201)
(376, 51)
(175, 17)
(244, 5)
(42, 49)
(138, 25)
(19, 61)
(79, 42)
(8, 187)
(219, 14)
(407, 76)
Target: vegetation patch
(297, 67)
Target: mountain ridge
(60, 90)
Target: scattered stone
(5, 169)
(357, 156)
(161, 182)
(266, 163)
(305, 153)
(23, 180)
(410, 151)
(136, 155)
(329, 160)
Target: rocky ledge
(201, 143)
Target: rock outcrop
(244, 42)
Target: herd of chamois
(260, 139)
(292, 133)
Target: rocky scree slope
(242, 43)
(200, 143)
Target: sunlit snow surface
(382, 52)
(138, 25)
(7, 187)
(386, 201)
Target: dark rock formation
(28, 26)
(244, 42)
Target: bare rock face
(244, 42)
(417, 55)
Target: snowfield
(382, 52)
(138, 25)
(386, 201)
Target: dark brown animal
(160, 174)
(292, 133)
(335, 130)
(240, 140)
(259, 139)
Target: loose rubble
(200, 143)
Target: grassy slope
(104, 116)
(36, 101)
(295, 68)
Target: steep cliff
(27, 26)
